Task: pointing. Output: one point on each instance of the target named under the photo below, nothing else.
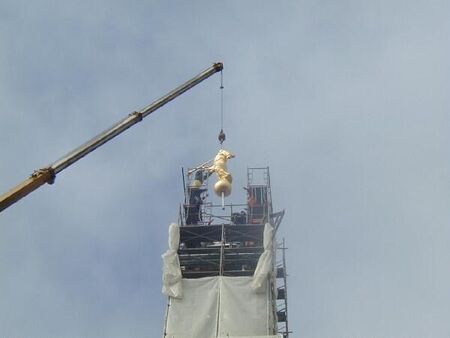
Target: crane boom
(48, 174)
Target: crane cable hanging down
(218, 165)
(221, 136)
(223, 185)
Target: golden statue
(219, 166)
(223, 185)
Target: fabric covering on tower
(220, 307)
(171, 265)
(265, 265)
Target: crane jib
(48, 174)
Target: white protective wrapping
(265, 265)
(171, 265)
(243, 311)
(195, 315)
(220, 307)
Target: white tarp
(171, 265)
(243, 311)
(220, 307)
(195, 315)
(265, 265)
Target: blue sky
(347, 102)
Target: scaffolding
(228, 240)
(224, 240)
(198, 210)
(282, 294)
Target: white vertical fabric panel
(265, 261)
(171, 265)
(220, 307)
(195, 315)
(242, 311)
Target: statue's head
(225, 153)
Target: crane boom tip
(218, 66)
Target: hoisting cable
(221, 136)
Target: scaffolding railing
(225, 249)
(282, 292)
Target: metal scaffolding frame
(227, 240)
(282, 293)
(220, 250)
(198, 210)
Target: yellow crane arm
(48, 174)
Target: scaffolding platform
(225, 250)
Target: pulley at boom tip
(218, 66)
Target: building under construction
(225, 273)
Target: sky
(346, 101)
